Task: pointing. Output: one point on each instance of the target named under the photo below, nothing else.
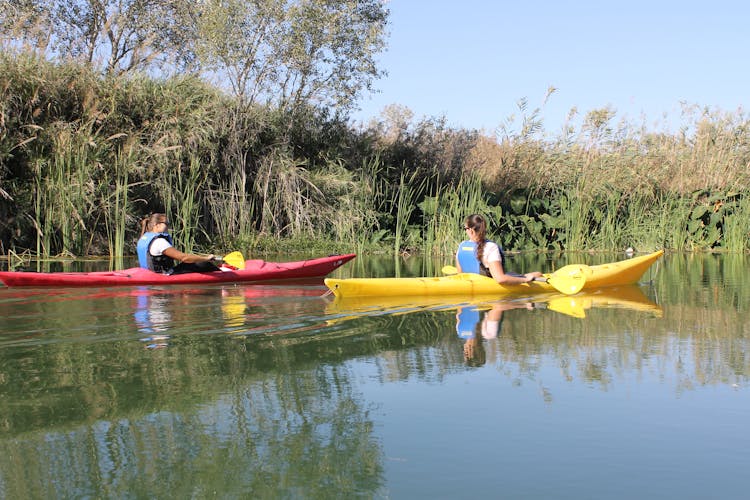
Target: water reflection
(152, 317)
(474, 325)
(270, 391)
(92, 414)
(159, 313)
(624, 297)
(299, 435)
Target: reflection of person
(467, 321)
(152, 319)
(481, 256)
(155, 250)
(473, 331)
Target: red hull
(255, 270)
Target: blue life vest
(467, 258)
(158, 264)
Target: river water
(271, 391)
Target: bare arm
(187, 258)
(498, 273)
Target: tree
(115, 35)
(24, 23)
(283, 53)
(286, 53)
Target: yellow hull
(625, 272)
(622, 297)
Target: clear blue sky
(472, 60)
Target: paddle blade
(568, 280)
(235, 259)
(448, 270)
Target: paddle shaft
(569, 282)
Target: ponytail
(477, 223)
(152, 220)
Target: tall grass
(286, 196)
(117, 205)
(355, 200)
(187, 183)
(408, 192)
(232, 211)
(605, 219)
(445, 212)
(576, 210)
(65, 190)
(229, 200)
(737, 227)
(229, 174)
(42, 231)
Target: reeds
(81, 157)
(354, 203)
(286, 197)
(64, 190)
(185, 185)
(408, 192)
(445, 212)
(736, 227)
(116, 205)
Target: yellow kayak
(625, 272)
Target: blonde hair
(151, 221)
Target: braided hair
(477, 223)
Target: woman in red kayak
(482, 256)
(155, 250)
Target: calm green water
(274, 391)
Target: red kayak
(255, 270)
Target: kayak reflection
(245, 306)
(626, 297)
(162, 314)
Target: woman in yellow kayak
(482, 256)
(155, 250)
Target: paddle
(568, 280)
(234, 259)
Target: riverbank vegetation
(87, 150)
